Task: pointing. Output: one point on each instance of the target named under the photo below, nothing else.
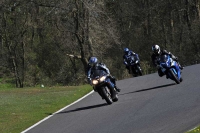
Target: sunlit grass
(23, 107)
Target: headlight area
(94, 82)
(102, 78)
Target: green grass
(196, 130)
(23, 107)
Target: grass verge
(196, 130)
(21, 108)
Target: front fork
(111, 86)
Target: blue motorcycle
(170, 68)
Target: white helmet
(156, 49)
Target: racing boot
(117, 89)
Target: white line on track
(192, 129)
(57, 112)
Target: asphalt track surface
(147, 104)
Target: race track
(147, 104)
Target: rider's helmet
(93, 61)
(156, 49)
(126, 50)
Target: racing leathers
(127, 58)
(156, 60)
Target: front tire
(133, 71)
(174, 76)
(139, 70)
(107, 95)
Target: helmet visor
(156, 51)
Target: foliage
(50, 41)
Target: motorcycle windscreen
(98, 73)
(163, 58)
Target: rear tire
(107, 95)
(181, 79)
(174, 77)
(115, 99)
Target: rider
(99, 66)
(155, 58)
(127, 54)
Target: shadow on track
(82, 108)
(152, 88)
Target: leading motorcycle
(170, 68)
(102, 84)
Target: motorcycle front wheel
(139, 70)
(174, 76)
(107, 95)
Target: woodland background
(49, 41)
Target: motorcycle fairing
(168, 63)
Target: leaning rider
(127, 54)
(156, 57)
(101, 66)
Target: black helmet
(156, 49)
